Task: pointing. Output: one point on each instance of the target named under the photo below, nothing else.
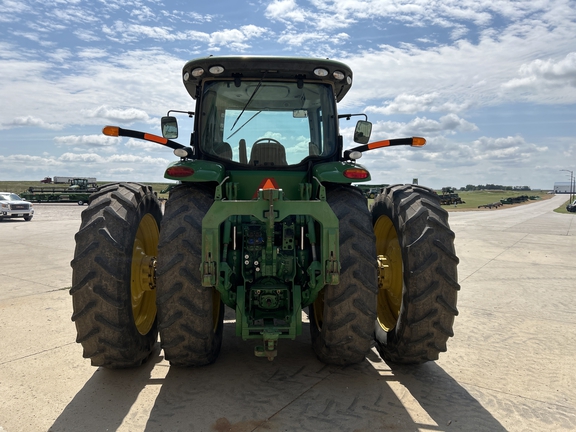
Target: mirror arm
(348, 116)
(190, 113)
(117, 131)
(414, 142)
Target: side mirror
(362, 132)
(169, 127)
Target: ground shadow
(298, 392)
(295, 392)
(104, 401)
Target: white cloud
(286, 10)
(412, 104)
(465, 74)
(36, 37)
(406, 104)
(235, 38)
(140, 145)
(149, 81)
(81, 158)
(86, 140)
(122, 171)
(86, 35)
(324, 18)
(92, 53)
(143, 13)
(420, 126)
(28, 166)
(305, 38)
(232, 38)
(116, 166)
(185, 16)
(328, 14)
(127, 115)
(19, 158)
(503, 160)
(73, 14)
(60, 55)
(31, 121)
(123, 32)
(9, 8)
(506, 149)
(252, 31)
(138, 159)
(546, 75)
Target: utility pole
(571, 184)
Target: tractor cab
(263, 113)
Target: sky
(491, 84)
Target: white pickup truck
(12, 206)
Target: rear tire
(342, 317)
(417, 275)
(113, 276)
(190, 315)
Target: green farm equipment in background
(265, 221)
(450, 197)
(515, 200)
(78, 191)
(371, 191)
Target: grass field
(473, 199)
(562, 208)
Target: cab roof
(197, 71)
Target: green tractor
(264, 219)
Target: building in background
(563, 187)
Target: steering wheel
(267, 141)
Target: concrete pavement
(509, 366)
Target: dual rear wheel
(131, 270)
(405, 299)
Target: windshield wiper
(248, 103)
(240, 128)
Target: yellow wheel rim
(319, 310)
(216, 309)
(143, 276)
(390, 269)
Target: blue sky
(491, 84)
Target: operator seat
(313, 149)
(223, 150)
(268, 154)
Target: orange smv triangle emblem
(267, 183)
